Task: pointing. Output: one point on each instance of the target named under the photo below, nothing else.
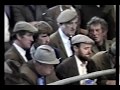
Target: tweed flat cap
(81, 39)
(66, 16)
(43, 27)
(22, 25)
(45, 54)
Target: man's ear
(105, 32)
(18, 36)
(75, 48)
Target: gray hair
(97, 20)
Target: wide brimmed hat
(46, 54)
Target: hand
(89, 82)
(111, 82)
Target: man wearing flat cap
(52, 13)
(42, 37)
(22, 39)
(67, 20)
(80, 63)
(106, 60)
(36, 71)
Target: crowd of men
(47, 44)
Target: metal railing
(81, 77)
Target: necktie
(70, 40)
(71, 49)
(41, 81)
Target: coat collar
(61, 43)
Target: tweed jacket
(107, 44)
(13, 54)
(31, 75)
(102, 61)
(68, 68)
(56, 41)
(14, 60)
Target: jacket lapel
(60, 42)
(95, 49)
(21, 59)
(106, 63)
(108, 44)
(73, 67)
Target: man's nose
(90, 51)
(32, 39)
(74, 25)
(94, 32)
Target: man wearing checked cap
(22, 39)
(79, 63)
(68, 22)
(15, 56)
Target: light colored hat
(46, 54)
(43, 27)
(66, 16)
(22, 25)
(81, 39)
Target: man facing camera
(79, 63)
(67, 20)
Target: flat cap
(81, 39)
(22, 25)
(46, 54)
(43, 27)
(66, 16)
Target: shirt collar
(79, 61)
(20, 50)
(63, 35)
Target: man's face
(69, 28)
(44, 69)
(96, 33)
(26, 40)
(84, 50)
(43, 39)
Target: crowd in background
(47, 43)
